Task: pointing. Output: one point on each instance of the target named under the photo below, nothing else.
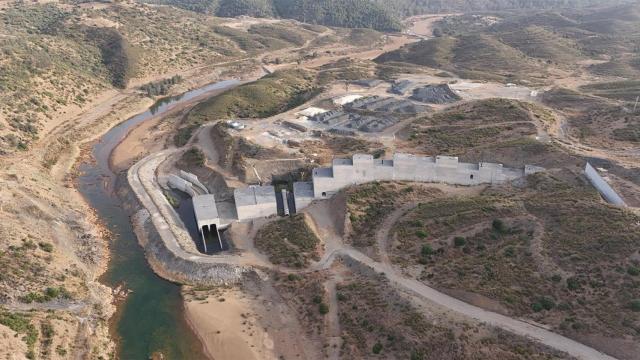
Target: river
(151, 320)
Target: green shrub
(536, 306)
(323, 308)
(60, 350)
(633, 271)
(635, 305)
(573, 283)
(377, 348)
(182, 137)
(46, 246)
(509, 251)
(499, 226)
(421, 234)
(194, 157)
(556, 278)
(459, 241)
(426, 250)
(547, 303)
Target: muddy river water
(151, 320)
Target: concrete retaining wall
(602, 186)
(405, 167)
(175, 268)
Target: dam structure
(255, 202)
(362, 169)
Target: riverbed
(151, 320)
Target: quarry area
(188, 181)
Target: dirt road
(512, 325)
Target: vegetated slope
(265, 37)
(233, 8)
(414, 7)
(472, 126)
(59, 57)
(476, 56)
(552, 251)
(497, 46)
(345, 13)
(55, 56)
(342, 13)
(538, 42)
(596, 120)
(377, 321)
(620, 66)
(268, 96)
(289, 242)
(48, 63)
(620, 90)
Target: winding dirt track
(142, 178)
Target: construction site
(341, 185)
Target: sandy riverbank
(229, 329)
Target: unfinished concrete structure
(255, 202)
(403, 167)
(207, 218)
(263, 201)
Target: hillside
(512, 46)
(473, 127)
(471, 56)
(414, 7)
(541, 43)
(270, 95)
(58, 58)
(544, 252)
(596, 120)
(341, 13)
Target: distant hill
(415, 7)
(382, 15)
(479, 56)
(512, 46)
(340, 13)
